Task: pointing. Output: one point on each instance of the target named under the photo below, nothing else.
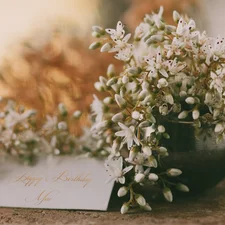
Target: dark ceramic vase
(201, 160)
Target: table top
(207, 208)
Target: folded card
(60, 183)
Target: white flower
(141, 31)
(117, 33)
(13, 118)
(162, 83)
(27, 135)
(157, 18)
(121, 44)
(147, 150)
(97, 109)
(62, 125)
(6, 137)
(51, 124)
(217, 82)
(148, 131)
(124, 54)
(128, 134)
(114, 167)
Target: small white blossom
(118, 33)
(115, 169)
(97, 109)
(128, 134)
(51, 124)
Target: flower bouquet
(171, 75)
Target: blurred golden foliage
(61, 70)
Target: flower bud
(208, 98)
(163, 109)
(183, 94)
(144, 124)
(162, 150)
(122, 191)
(125, 79)
(98, 29)
(118, 117)
(176, 16)
(108, 100)
(155, 38)
(190, 100)
(183, 115)
(95, 34)
(147, 150)
(147, 100)
(182, 187)
(120, 101)
(62, 125)
(162, 82)
(111, 81)
(169, 29)
(100, 143)
(161, 129)
(169, 99)
(106, 47)
(195, 114)
(140, 200)
(142, 95)
(103, 81)
(168, 194)
(135, 115)
(147, 207)
(153, 177)
(133, 70)
(77, 114)
(111, 71)
(145, 85)
(125, 207)
(98, 86)
(152, 161)
(173, 172)
(62, 109)
(95, 45)
(219, 128)
(139, 177)
(216, 113)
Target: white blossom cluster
(170, 73)
(22, 136)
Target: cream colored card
(61, 183)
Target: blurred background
(44, 56)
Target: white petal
(120, 133)
(121, 180)
(127, 169)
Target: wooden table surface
(209, 208)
